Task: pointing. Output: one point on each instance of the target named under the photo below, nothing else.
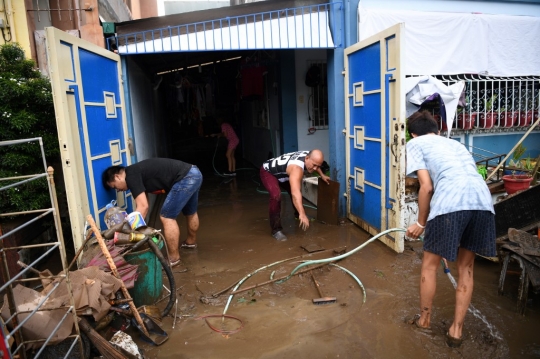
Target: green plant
(526, 164)
(519, 151)
(26, 111)
(489, 103)
(482, 170)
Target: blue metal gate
(92, 128)
(375, 133)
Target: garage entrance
(173, 94)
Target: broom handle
(316, 284)
(110, 261)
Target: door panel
(375, 134)
(92, 128)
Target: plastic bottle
(114, 215)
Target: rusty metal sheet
(328, 202)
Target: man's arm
(296, 173)
(142, 204)
(424, 199)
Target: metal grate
(314, 26)
(495, 104)
(318, 98)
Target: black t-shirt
(155, 175)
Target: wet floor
(280, 320)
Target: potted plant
(518, 180)
(466, 120)
(528, 116)
(488, 118)
(508, 118)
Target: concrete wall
(320, 139)
(146, 131)
(13, 14)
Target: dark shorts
(183, 196)
(472, 230)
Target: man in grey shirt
(456, 211)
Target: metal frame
(218, 34)
(7, 289)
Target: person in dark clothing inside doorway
(181, 181)
(287, 171)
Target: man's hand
(325, 178)
(414, 231)
(304, 222)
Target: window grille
(318, 99)
(494, 104)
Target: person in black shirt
(179, 180)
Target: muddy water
(280, 320)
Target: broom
(107, 350)
(322, 300)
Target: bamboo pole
(513, 149)
(110, 261)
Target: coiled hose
(168, 271)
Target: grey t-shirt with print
(457, 184)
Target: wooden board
(328, 202)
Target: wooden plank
(327, 202)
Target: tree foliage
(26, 111)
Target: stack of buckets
(149, 283)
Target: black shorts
(472, 230)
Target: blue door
(92, 128)
(375, 133)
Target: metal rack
(12, 328)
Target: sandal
(174, 263)
(190, 246)
(453, 342)
(414, 321)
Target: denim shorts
(183, 196)
(472, 230)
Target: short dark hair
(421, 123)
(108, 175)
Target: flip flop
(175, 263)
(190, 246)
(453, 342)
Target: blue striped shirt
(456, 183)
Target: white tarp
(299, 31)
(419, 88)
(443, 43)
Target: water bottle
(114, 215)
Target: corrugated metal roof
(128, 27)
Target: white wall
(146, 128)
(320, 139)
(486, 7)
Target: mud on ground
(280, 320)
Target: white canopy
(443, 43)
